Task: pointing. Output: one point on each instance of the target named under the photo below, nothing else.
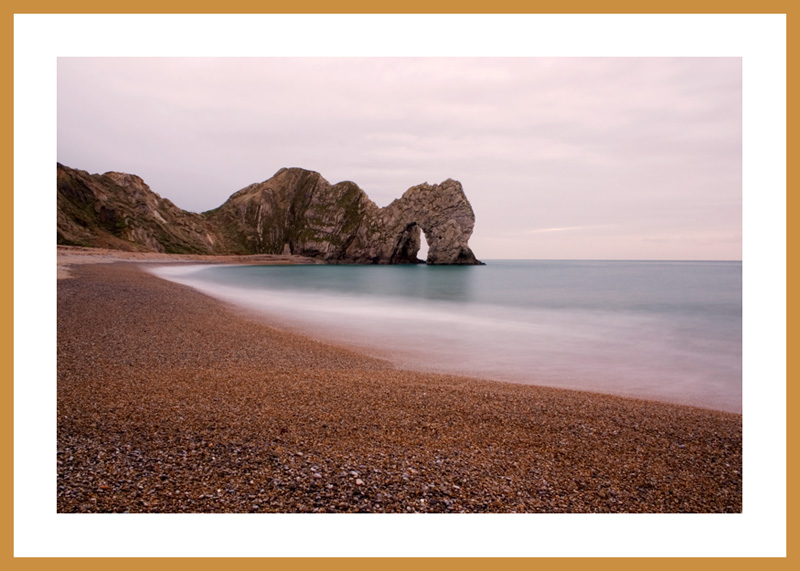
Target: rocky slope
(116, 210)
(295, 212)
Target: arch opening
(422, 253)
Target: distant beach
(171, 401)
(69, 256)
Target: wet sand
(170, 401)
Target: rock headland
(296, 212)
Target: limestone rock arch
(443, 213)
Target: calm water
(659, 330)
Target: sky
(561, 158)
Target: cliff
(295, 212)
(116, 210)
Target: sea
(658, 330)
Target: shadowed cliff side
(295, 212)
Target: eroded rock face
(391, 235)
(443, 213)
(299, 212)
(294, 212)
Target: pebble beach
(172, 402)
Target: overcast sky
(566, 158)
